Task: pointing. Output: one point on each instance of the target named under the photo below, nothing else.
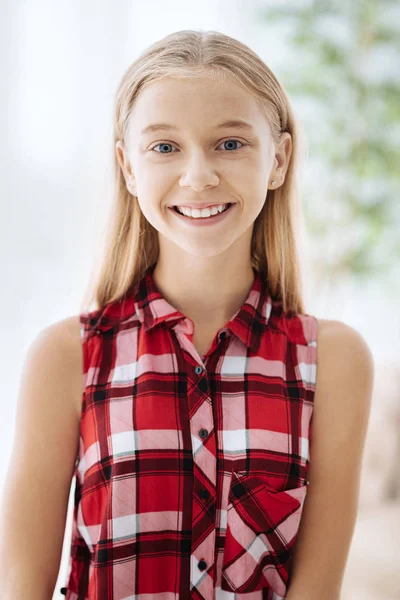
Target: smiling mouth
(227, 207)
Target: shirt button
(222, 335)
(63, 591)
(203, 433)
(202, 565)
(198, 370)
(203, 493)
(203, 385)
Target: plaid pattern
(191, 473)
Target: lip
(200, 206)
(209, 222)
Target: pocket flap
(262, 527)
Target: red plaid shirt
(191, 474)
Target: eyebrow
(233, 123)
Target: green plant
(346, 57)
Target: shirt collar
(248, 323)
(148, 305)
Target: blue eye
(162, 144)
(168, 144)
(234, 141)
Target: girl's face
(182, 148)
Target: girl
(212, 458)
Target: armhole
(85, 328)
(87, 331)
(303, 334)
(84, 331)
(312, 350)
(312, 361)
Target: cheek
(252, 207)
(154, 212)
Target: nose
(199, 175)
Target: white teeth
(197, 213)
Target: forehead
(191, 104)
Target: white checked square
(234, 441)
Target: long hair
(131, 244)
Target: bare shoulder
(48, 407)
(343, 391)
(59, 344)
(341, 344)
(344, 362)
(66, 332)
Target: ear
(123, 159)
(282, 157)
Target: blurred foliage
(344, 64)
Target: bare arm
(342, 400)
(34, 502)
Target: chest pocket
(262, 527)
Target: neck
(209, 294)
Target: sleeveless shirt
(191, 474)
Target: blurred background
(339, 62)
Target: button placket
(205, 464)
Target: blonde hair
(131, 245)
